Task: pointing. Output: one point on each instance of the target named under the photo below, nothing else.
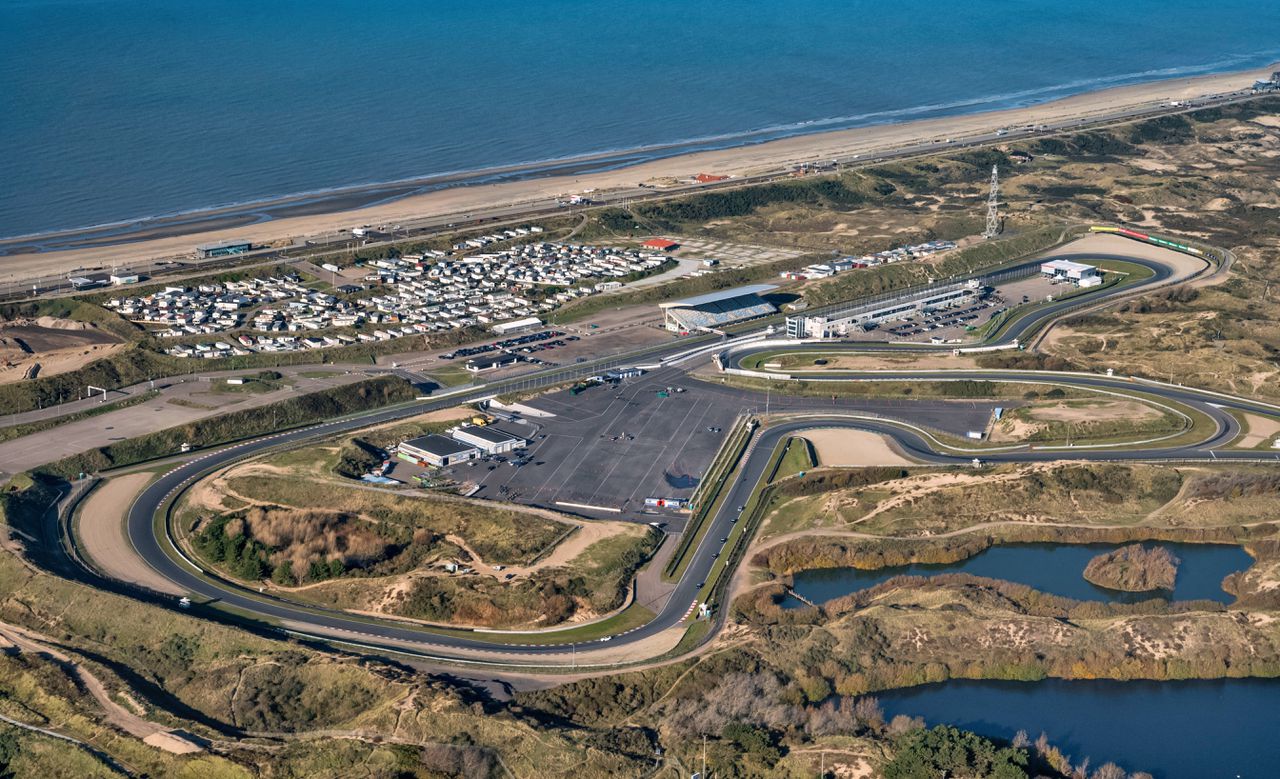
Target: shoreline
(611, 159)
(281, 221)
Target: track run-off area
(711, 564)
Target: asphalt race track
(147, 529)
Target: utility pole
(993, 205)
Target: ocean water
(120, 109)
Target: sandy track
(840, 447)
(152, 733)
(101, 532)
(1259, 429)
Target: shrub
(948, 751)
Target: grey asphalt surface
(385, 635)
(612, 447)
(326, 623)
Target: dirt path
(101, 532)
(840, 447)
(565, 552)
(150, 732)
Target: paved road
(156, 549)
(387, 635)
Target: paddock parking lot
(952, 323)
(610, 447)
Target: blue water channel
(1053, 568)
(1221, 728)
(1173, 730)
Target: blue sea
(120, 109)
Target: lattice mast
(993, 205)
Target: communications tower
(993, 205)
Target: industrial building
(490, 362)
(89, 281)
(716, 309)
(489, 440)
(223, 248)
(517, 325)
(436, 450)
(862, 318)
(1081, 274)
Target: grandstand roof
(716, 297)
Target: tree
(1109, 771)
(9, 748)
(283, 574)
(948, 751)
(757, 744)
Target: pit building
(862, 318)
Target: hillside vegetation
(1134, 568)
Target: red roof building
(661, 244)
(707, 178)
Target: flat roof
(225, 244)
(531, 321)
(724, 294)
(492, 359)
(1067, 265)
(438, 445)
(490, 434)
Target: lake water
(118, 109)
(1052, 568)
(1175, 730)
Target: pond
(1051, 568)
(1224, 728)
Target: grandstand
(717, 309)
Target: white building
(489, 440)
(1071, 271)
(860, 318)
(436, 450)
(514, 326)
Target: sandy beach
(747, 160)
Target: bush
(1134, 568)
(828, 481)
(1165, 130)
(948, 751)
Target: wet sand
(314, 216)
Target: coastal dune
(772, 156)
